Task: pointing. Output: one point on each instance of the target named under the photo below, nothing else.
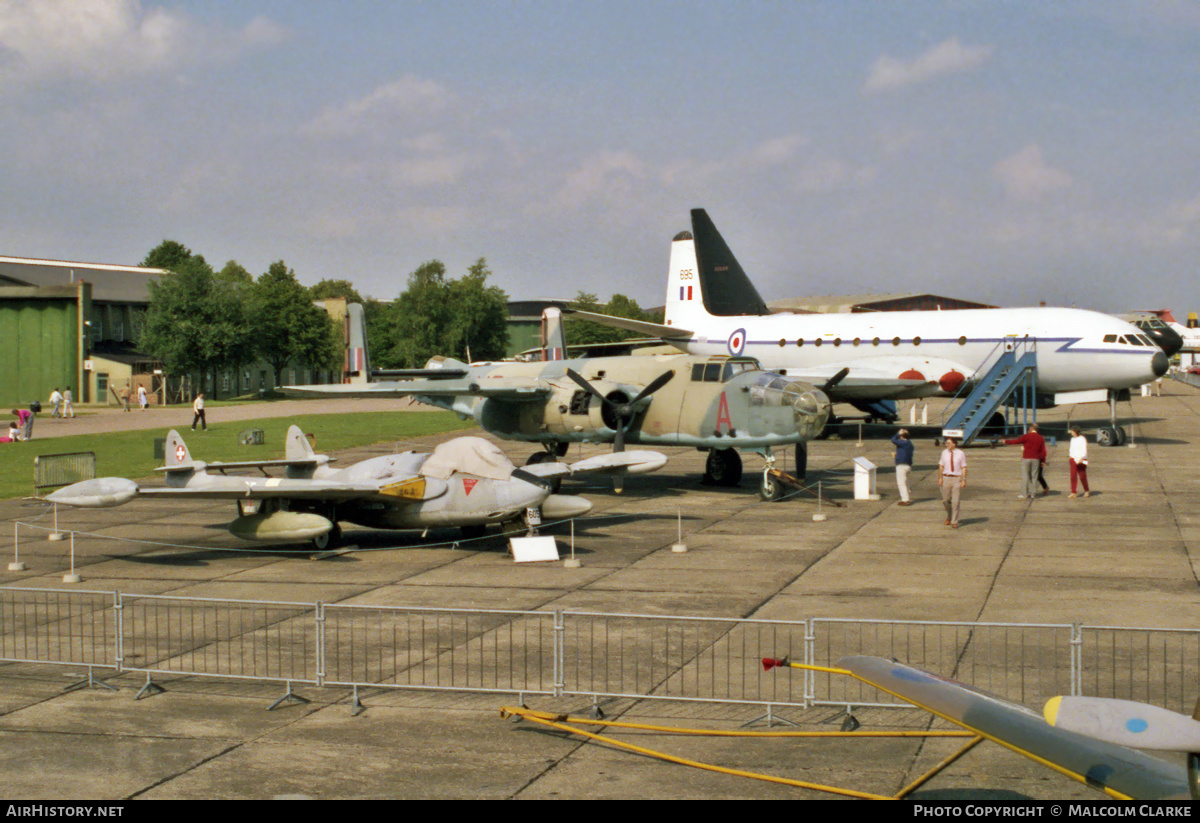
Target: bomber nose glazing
(811, 410)
(809, 405)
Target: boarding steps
(1015, 370)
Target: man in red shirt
(1033, 452)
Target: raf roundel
(737, 342)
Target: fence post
(810, 655)
(16, 565)
(119, 628)
(559, 646)
(1076, 660)
(319, 616)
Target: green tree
(195, 322)
(287, 326)
(583, 333)
(465, 318)
(336, 288)
(170, 254)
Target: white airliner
(713, 308)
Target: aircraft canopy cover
(471, 455)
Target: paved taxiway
(1126, 556)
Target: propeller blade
(588, 387)
(833, 381)
(654, 385)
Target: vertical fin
(554, 338)
(297, 446)
(684, 303)
(175, 451)
(358, 365)
(727, 291)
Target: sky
(1002, 151)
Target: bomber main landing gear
(723, 468)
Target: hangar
(70, 324)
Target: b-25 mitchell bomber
(466, 482)
(719, 404)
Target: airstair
(1010, 380)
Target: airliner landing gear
(723, 468)
(1112, 435)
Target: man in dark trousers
(1033, 451)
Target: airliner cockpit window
(1110, 338)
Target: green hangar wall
(39, 337)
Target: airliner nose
(1160, 364)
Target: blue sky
(1013, 152)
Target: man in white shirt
(56, 399)
(952, 479)
(198, 409)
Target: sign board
(89, 365)
(533, 549)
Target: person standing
(24, 424)
(56, 400)
(1033, 448)
(952, 479)
(904, 459)
(68, 403)
(143, 401)
(1077, 455)
(198, 410)
(125, 395)
(1042, 458)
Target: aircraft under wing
(1118, 771)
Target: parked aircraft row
(715, 402)
(466, 482)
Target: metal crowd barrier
(53, 470)
(1186, 377)
(585, 654)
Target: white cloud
(102, 39)
(603, 176)
(1027, 176)
(950, 57)
(408, 97)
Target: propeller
(623, 412)
(769, 663)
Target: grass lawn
(131, 454)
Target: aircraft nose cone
(1160, 364)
